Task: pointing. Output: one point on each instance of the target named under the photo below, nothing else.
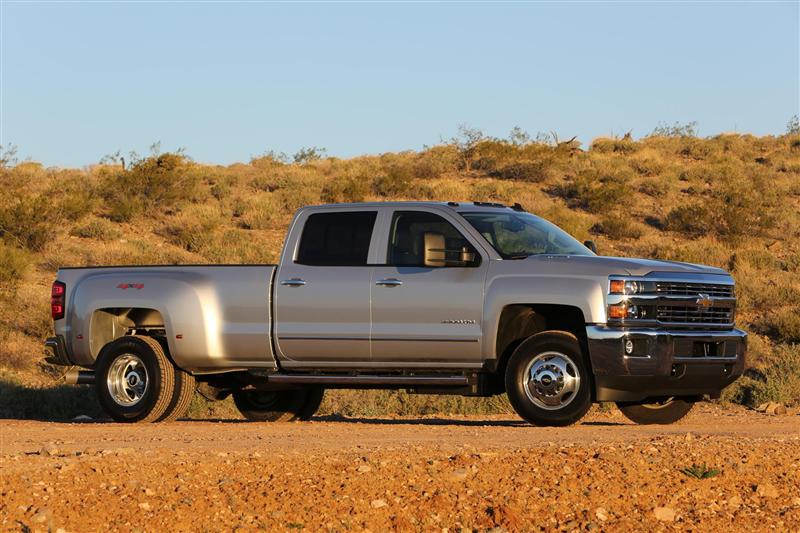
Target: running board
(411, 381)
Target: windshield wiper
(517, 256)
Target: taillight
(58, 297)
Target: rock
(49, 449)
(41, 517)
(762, 407)
(459, 474)
(664, 514)
(796, 501)
(363, 469)
(222, 454)
(255, 455)
(776, 409)
(567, 469)
(149, 492)
(144, 506)
(601, 514)
(688, 437)
(377, 504)
(766, 490)
(734, 501)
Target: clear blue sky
(229, 81)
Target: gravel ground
(420, 474)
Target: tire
(181, 396)
(666, 412)
(135, 379)
(312, 403)
(548, 381)
(274, 406)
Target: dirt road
(426, 474)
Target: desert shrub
(784, 324)
(346, 189)
(159, 183)
(13, 263)
(530, 171)
(96, 228)
(593, 192)
(436, 161)
(625, 145)
(30, 221)
(617, 226)
(397, 178)
(778, 382)
(692, 220)
(260, 213)
(654, 187)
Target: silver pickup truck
(445, 298)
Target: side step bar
(411, 381)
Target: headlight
(621, 286)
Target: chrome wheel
(551, 380)
(127, 380)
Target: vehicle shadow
(433, 421)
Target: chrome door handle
(294, 282)
(389, 282)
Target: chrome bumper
(663, 362)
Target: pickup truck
(475, 299)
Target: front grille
(679, 288)
(694, 315)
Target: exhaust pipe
(79, 377)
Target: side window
(414, 232)
(336, 239)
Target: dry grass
(731, 201)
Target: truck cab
(435, 297)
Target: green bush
(778, 382)
(13, 264)
(692, 220)
(617, 226)
(530, 171)
(159, 183)
(30, 221)
(97, 228)
(345, 190)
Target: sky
(229, 81)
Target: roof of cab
(461, 206)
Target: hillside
(731, 201)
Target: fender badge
(125, 286)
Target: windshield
(518, 235)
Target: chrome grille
(694, 315)
(679, 288)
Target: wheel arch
(519, 321)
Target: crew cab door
(322, 288)
(427, 313)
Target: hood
(602, 265)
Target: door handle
(389, 282)
(294, 282)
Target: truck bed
(214, 317)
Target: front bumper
(663, 362)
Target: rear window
(336, 239)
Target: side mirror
(436, 253)
(434, 249)
(590, 245)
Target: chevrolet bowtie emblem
(704, 300)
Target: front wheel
(548, 381)
(665, 412)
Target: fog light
(628, 346)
